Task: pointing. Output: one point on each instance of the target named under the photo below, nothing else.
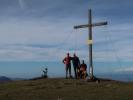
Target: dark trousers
(75, 71)
(68, 69)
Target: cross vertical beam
(89, 26)
(90, 44)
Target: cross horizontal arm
(91, 25)
(99, 24)
(81, 26)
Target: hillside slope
(66, 89)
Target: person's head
(46, 68)
(83, 62)
(67, 54)
(74, 55)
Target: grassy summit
(66, 89)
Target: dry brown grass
(66, 89)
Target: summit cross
(90, 25)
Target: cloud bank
(42, 30)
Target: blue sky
(42, 31)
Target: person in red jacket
(67, 62)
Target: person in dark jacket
(67, 62)
(76, 64)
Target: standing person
(45, 73)
(67, 62)
(76, 64)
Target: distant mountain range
(4, 79)
(121, 76)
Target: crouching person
(82, 73)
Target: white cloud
(22, 4)
(61, 37)
(125, 69)
(27, 53)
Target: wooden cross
(89, 26)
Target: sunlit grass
(65, 89)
